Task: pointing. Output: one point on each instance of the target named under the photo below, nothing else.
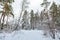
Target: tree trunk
(2, 22)
(7, 22)
(53, 30)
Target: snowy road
(25, 35)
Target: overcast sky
(34, 4)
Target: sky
(33, 4)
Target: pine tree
(53, 11)
(36, 19)
(44, 13)
(25, 19)
(41, 16)
(58, 16)
(31, 20)
(7, 10)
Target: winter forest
(19, 16)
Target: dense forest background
(48, 17)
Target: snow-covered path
(25, 35)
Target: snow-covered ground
(26, 35)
